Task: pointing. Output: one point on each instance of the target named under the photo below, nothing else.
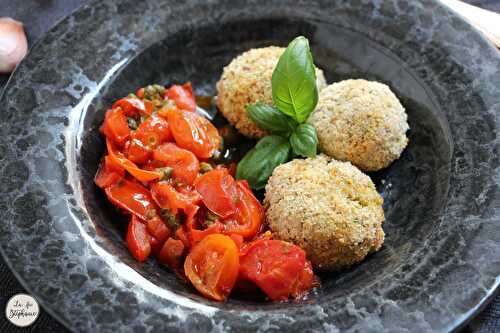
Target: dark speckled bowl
(441, 258)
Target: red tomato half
(183, 96)
(152, 132)
(138, 239)
(115, 126)
(193, 132)
(166, 196)
(212, 266)
(171, 253)
(134, 170)
(132, 107)
(184, 163)
(108, 173)
(132, 197)
(249, 216)
(137, 152)
(219, 192)
(158, 229)
(279, 268)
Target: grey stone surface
(441, 257)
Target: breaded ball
(247, 80)
(362, 122)
(329, 208)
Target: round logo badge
(22, 310)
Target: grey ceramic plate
(440, 261)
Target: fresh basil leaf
(258, 164)
(304, 140)
(294, 81)
(270, 119)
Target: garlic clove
(13, 44)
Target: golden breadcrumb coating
(329, 208)
(362, 122)
(247, 80)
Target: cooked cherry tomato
(238, 240)
(193, 132)
(171, 253)
(156, 245)
(115, 126)
(157, 228)
(249, 216)
(132, 107)
(183, 96)
(166, 196)
(152, 132)
(184, 163)
(197, 235)
(134, 170)
(108, 173)
(182, 235)
(137, 152)
(218, 191)
(279, 268)
(212, 266)
(138, 239)
(132, 197)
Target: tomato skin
(152, 132)
(193, 132)
(218, 191)
(279, 268)
(115, 126)
(212, 266)
(171, 253)
(132, 107)
(249, 216)
(238, 240)
(108, 173)
(134, 170)
(156, 245)
(132, 197)
(182, 235)
(137, 239)
(182, 96)
(137, 152)
(184, 163)
(157, 228)
(166, 196)
(198, 235)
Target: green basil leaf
(270, 119)
(294, 81)
(304, 140)
(258, 164)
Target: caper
(159, 89)
(132, 123)
(170, 218)
(211, 216)
(166, 172)
(205, 167)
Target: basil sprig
(294, 81)
(304, 140)
(259, 163)
(295, 96)
(271, 119)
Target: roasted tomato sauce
(186, 210)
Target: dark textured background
(40, 15)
